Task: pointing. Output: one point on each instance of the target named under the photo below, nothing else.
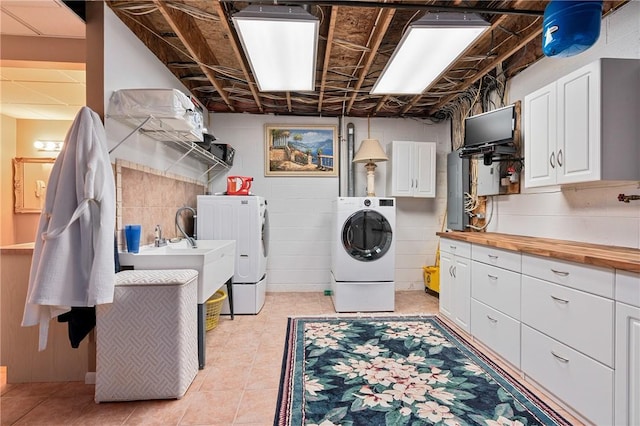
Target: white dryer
(244, 219)
(363, 254)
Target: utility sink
(213, 259)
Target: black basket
(223, 151)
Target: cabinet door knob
(560, 158)
(560, 358)
(454, 272)
(492, 256)
(552, 160)
(561, 273)
(492, 277)
(559, 300)
(493, 320)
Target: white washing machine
(363, 254)
(246, 220)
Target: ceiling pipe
(401, 6)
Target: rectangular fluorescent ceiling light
(281, 44)
(428, 47)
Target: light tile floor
(238, 386)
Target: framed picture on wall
(300, 150)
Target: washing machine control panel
(386, 202)
(367, 202)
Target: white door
(540, 125)
(462, 292)
(446, 284)
(424, 165)
(578, 146)
(402, 169)
(627, 373)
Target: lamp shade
(370, 151)
(281, 45)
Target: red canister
(238, 185)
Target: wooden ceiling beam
(380, 104)
(224, 22)
(192, 39)
(380, 29)
(327, 54)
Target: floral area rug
(396, 371)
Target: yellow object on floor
(214, 306)
(432, 277)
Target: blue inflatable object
(570, 27)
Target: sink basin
(213, 259)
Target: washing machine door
(366, 235)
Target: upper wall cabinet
(411, 170)
(584, 126)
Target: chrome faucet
(159, 241)
(190, 240)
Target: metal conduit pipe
(351, 170)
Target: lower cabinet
(580, 381)
(571, 328)
(455, 282)
(627, 373)
(498, 331)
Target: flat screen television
(490, 128)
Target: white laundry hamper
(147, 339)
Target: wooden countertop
(24, 248)
(624, 258)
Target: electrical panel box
(488, 182)
(457, 186)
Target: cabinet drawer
(581, 382)
(497, 288)
(507, 259)
(496, 330)
(628, 287)
(459, 248)
(581, 320)
(588, 278)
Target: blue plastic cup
(132, 235)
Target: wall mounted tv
(490, 128)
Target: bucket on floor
(214, 306)
(431, 275)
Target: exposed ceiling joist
(191, 37)
(357, 39)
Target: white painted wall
(588, 213)
(130, 65)
(300, 208)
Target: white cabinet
(568, 319)
(455, 282)
(582, 127)
(627, 373)
(495, 300)
(572, 328)
(411, 169)
(580, 381)
(540, 130)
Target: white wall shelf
(183, 141)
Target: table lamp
(370, 153)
